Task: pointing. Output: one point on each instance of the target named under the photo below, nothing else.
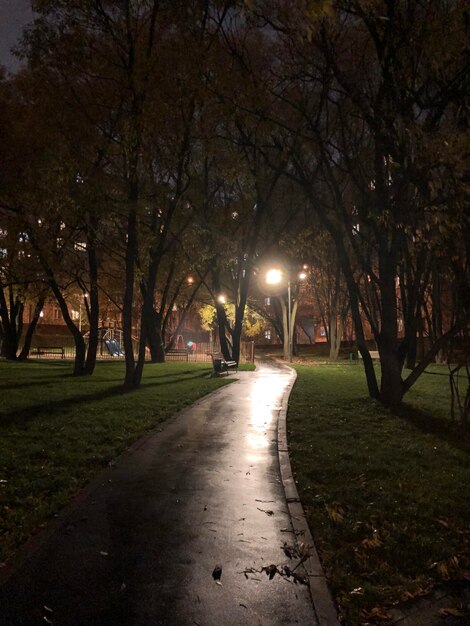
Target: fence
(200, 352)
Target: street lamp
(275, 276)
(85, 295)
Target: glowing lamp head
(273, 277)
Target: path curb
(322, 600)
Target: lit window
(80, 246)
(267, 301)
(267, 334)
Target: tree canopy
(158, 139)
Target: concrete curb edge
(322, 600)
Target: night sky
(14, 14)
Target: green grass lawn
(387, 497)
(57, 431)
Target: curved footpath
(179, 529)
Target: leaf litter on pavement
(300, 551)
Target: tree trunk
(94, 309)
(371, 377)
(31, 328)
(222, 326)
(10, 344)
(128, 300)
(392, 388)
(12, 323)
(336, 333)
(391, 383)
(155, 339)
(80, 349)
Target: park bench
(181, 354)
(374, 355)
(221, 366)
(50, 351)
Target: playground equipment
(113, 347)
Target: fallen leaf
(450, 611)
(304, 549)
(358, 591)
(268, 512)
(407, 596)
(377, 613)
(372, 542)
(271, 571)
(103, 553)
(46, 619)
(46, 608)
(448, 568)
(217, 573)
(298, 578)
(286, 570)
(443, 521)
(289, 551)
(335, 513)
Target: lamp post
(80, 312)
(275, 276)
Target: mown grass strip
(57, 431)
(386, 496)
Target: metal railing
(198, 353)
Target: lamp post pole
(289, 321)
(275, 277)
(80, 311)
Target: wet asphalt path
(140, 545)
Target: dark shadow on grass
(37, 382)
(444, 429)
(200, 374)
(48, 362)
(440, 427)
(22, 417)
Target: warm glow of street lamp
(190, 280)
(302, 276)
(221, 299)
(274, 277)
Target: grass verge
(57, 431)
(387, 497)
